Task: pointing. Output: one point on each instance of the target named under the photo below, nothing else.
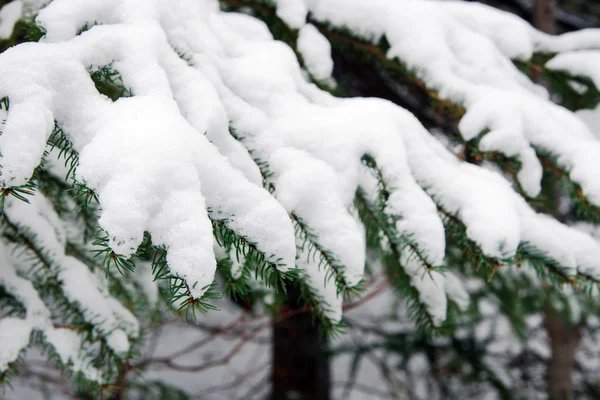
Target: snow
(10, 13)
(577, 63)
(591, 118)
(292, 12)
(68, 345)
(312, 193)
(78, 284)
(456, 291)
(324, 290)
(314, 148)
(316, 52)
(487, 212)
(430, 285)
(164, 161)
(151, 194)
(15, 333)
(463, 52)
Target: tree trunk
(300, 368)
(543, 15)
(564, 340)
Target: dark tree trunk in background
(300, 361)
(543, 15)
(564, 339)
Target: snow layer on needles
(78, 284)
(456, 291)
(463, 51)
(591, 118)
(164, 160)
(15, 333)
(316, 52)
(120, 142)
(9, 15)
(578, 63)
(324, 290)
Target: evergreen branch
(574, 92)
(58, 139)
(584, 209)
(70, 312)
(389, 221)
(28, 243)
(19, 192)
(86, 27)
(237, 287)
(108, 257)
(325, 258)
(318, 308)
(119, 287)
(309, 239)
(109, 82)
(70, 202)
(545, 266)
(4, 103)
(25, 238)
(25, 30)
(396, 274)
(456, 235)
(9, 305)
(265, 266)
(106, 78)
(348, 42)
(178, 292)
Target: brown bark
(544, 15)
(564, 340)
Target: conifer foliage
(147, 145)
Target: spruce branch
(349, 43)
(49, 282)
(309, 239)
(312, 250)
(237, 287)
(319, 308)
(388, 222)
(265, 266)
(178, 292)
(586, 95)
(399, 279)
(108, 257)
(109, 82)
(324, 258)
(59, 140)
